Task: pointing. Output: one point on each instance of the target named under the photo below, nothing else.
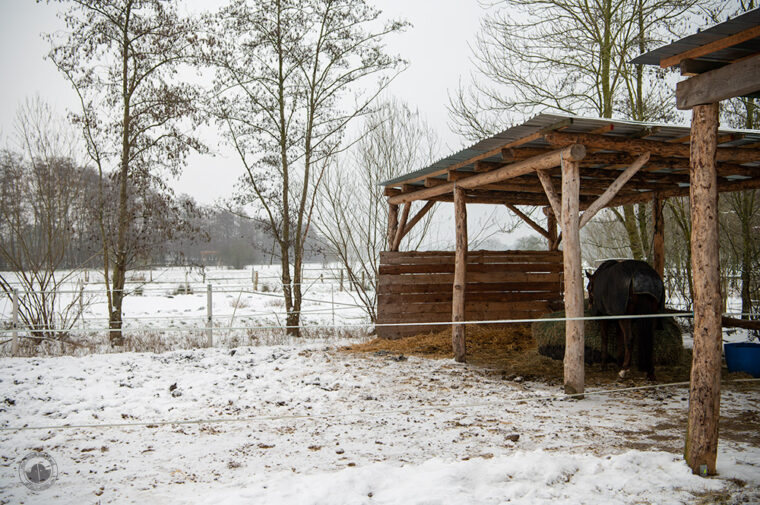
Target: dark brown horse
(627, 287)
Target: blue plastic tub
(743, 357)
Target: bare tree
(43, 189)
(566, 55)
(572, 56)
(122, 59)
(287, 85)
(352, 212)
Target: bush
(183, 289)
(550, 340)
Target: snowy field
(304, 422)
(317, 425)
(159, 306)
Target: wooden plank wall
(416, 287)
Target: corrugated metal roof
(577, 124)
(708, 35)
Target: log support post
(658, 238)
(401, 226)
(573, 363)
(392, 224)
(460, 276)
(551, 227)
(704, 393)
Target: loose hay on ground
(510, 349)
(438, 345)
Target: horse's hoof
(650, 377)
(623, 374)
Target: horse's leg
(603, 328)
(646, 347)
(649, 346)
(625, 329)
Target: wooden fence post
(209, 317)
(341, 279)
(574, 374)
(704, 393)
(14, 334)
(255, 278)
(458, 332)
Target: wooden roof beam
(731, 154)
(723, 187)
(736, 79)
(496, 151)
(487, 166)
(549, 160)
(431, 182)
(716, 45)
(456, 175)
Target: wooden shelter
(574, 167)
(720, 62)
(571, 166)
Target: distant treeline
(52, 211)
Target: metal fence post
(209, 317)
(14, 345)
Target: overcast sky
(436, 47)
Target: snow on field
(159, 306)
(324, 426)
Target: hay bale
(550, 340)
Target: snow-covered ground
(317, 425)
(310, 423)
